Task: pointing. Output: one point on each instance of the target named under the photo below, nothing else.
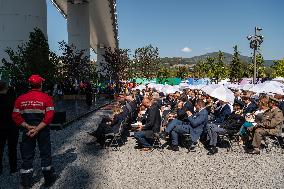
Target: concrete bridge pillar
(101, 70)
(78, 25)
(17, 19)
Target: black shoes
(213, 150)
(175, 148)
(49, 178)
(255, 151)
(192, 147)
(164, 135)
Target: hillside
(179, 61)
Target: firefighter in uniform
(34, 112)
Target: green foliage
(213, 68)
(74, 65)
(182, 72)
(164, 72)
(278, 68)
(29, 58)
(236, 66)
(146, 62)
(117, 64)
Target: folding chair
(157, 142)
(277, 142)
(113, 139)
(233, 140)
(188, 142)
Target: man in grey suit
(196, 124)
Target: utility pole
(255, 42)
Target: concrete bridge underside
(90, 23)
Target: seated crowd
(195, 114)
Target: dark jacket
(250, 108)
(6, 109)
(117, 120)
(234, 122)
(281, 106)
(222, 114)
(197, 123)
(153, 121)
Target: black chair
(233, 140)
(113, 139)
(276, 141)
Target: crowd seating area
(192, 119)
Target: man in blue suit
(183, 106)
(196, 124)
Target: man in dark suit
(9, 133)
(222, 112)
(250, 106)
(153, 123)
(231, 125)
(195, 125)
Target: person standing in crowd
(89, 94)
(34, 111)
(9, 133)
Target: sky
(187, 28)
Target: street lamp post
(255, 42)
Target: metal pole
(254, 59)
(254, 64)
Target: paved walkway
(75, 108)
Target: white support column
(101, 61)
(17, 19)
(78, 25)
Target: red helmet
(35, 80)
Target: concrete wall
(17, 19)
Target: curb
(66, 124)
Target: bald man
(153, 123)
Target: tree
(236, 66)
(200, 69)
(221, 70)
(260, 66)
(117, 63)
(146, 61)
(29, 58)
(164, 72)
(278, 68)
(74, 65)
(182, 72)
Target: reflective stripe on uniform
(46, 168)
(16, 110)
(25, 171)
(49, 108)
(27, 111)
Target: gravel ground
(81, 165)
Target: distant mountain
(179, 61)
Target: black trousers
(10, 138)
(28, 149)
